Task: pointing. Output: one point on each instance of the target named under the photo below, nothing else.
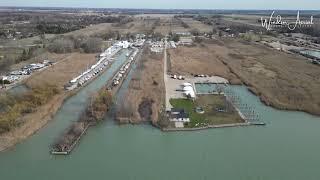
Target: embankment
(33, 122)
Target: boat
(258, 123)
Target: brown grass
(62, 72)
(57, 75)
(146, 87)
(136, 26)
(200, 60)
(201, 27)
(282, 80)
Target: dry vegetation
(200, 60)
(145, 96)
(282, 80)
(197, 25)
(63, 71)
(136, 26)
(169, 24)
(47, 93)
(95, 112)
(15, 107)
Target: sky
(172, 4)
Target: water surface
(286, 149)
(311, 53)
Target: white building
(188, 90)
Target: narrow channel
(287, 148)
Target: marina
(106, 59)
(179, 90)
(72, 136)
(142, 140)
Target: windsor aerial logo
(277, 22)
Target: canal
(286, 149)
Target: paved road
(165, 77)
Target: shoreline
(60, 148)
(269, 103)
(32, 125)
(29, 128)
(9, 139)
(211, 127)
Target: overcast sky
(172, 4)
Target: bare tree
(92, 45)
(61, 46)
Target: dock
(70, 139)
(215, 126)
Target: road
(165, 77)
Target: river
(286, 149)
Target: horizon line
(218, 9)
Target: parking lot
(174, 86)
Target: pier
(72, 137)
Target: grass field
(211, 116)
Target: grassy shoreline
(211, 115)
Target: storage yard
(15, 77)
(174, 87)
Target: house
(179, 115)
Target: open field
(282, 80)
(245, 19)
(211, 116)
(200, 60)
(168, 24)
(62, 72)
(136, 26)
(197, 25)
(145, 96)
